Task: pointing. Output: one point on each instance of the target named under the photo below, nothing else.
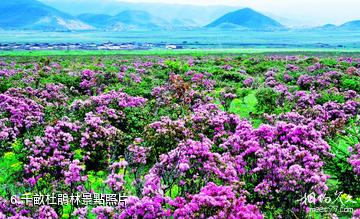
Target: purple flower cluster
(320, 81)
(52, 153)
(356, 214)
(13, 211)
(292, 67)
(137, 154)
(103, 212)
(6, 132)
(248, 82)
(305, 81)
(354, 160)
(314, 67)
(73, 174)
(46, 212)
(202, 80)
(294, 154)
(353, 71)
(327, 118)
(81, 213)
(304, 99)
(88, 80)
(6, 73)
(53, 94)
(270, 80)
(18, 114)
(214, 202)
(227, 67)
(98, 132)
(135, 78)
(112, 99)
(116, 181)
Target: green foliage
(256, 67)
(339, 166)
(266, 100)
(329, 62)
(246, 105)
(65, 79)
(142, 89)
(96, 181)
(13, 81)
(10, 170)
(232, 77)
(243, 92)
(350, 83)
(327, 97)
(176, 66)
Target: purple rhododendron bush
(240, 137)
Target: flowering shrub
(88, 80)
(289, 163)
(116, 181)
(215, 202)
(248, 82)
(18, 114)
(226, 99)
(159, 131)
(49, 155)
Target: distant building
(173, 47)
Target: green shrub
(330, 97)
(350, 83)
(267, 100)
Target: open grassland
(194, 52)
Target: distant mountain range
(348, 26)
(200, 15)
(68, 16)
(133, 20)
(32, 14)
(126, 20)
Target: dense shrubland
(185, 137)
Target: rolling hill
(200, 15)
(351, 25)
(32, 14)
(126, 20)
(245, 18)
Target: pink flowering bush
(18, 114)
(214, 202)
(49, 155)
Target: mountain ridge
(199, 14)
(35, 15)
(32, 14)
(126, 20)
(246, 18)
(354, 24)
